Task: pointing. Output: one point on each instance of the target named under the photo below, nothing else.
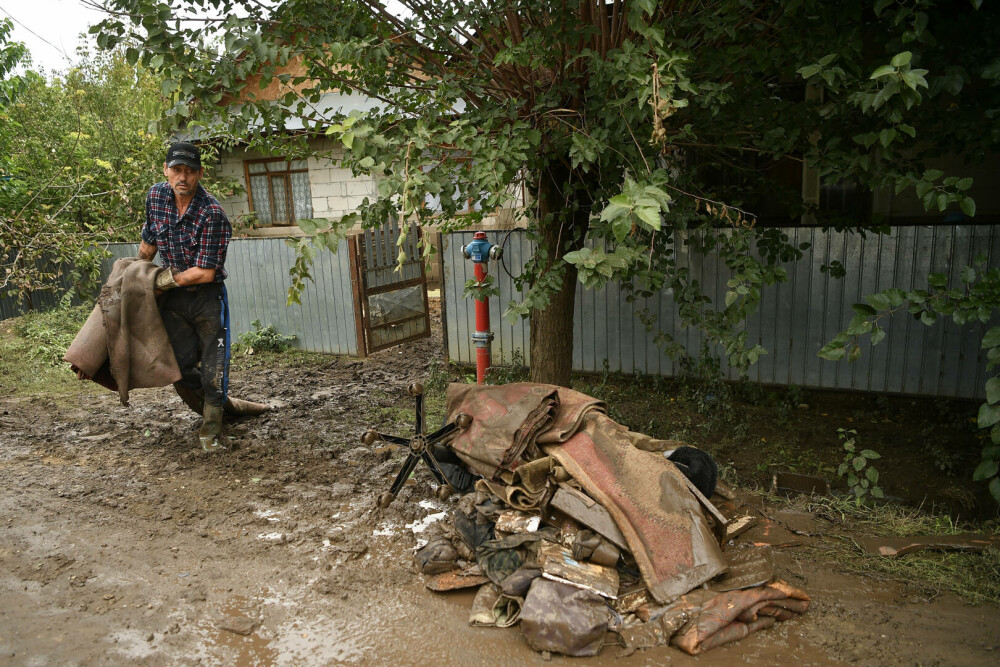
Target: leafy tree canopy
(628, 122)
(80, 151)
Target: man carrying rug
(191, 232)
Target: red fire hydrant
(481, 251)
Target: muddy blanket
(511, 421)
(703, 620)
(649, 500)
(123, 344)
(646, 494)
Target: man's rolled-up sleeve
(214, 241)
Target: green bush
(50, 333)
(264, 339)
(862, 477)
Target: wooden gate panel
(391, 303)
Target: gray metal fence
(257, 285)
(794, 321)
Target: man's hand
(164, 281)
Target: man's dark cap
(183, 153)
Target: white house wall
(335, 190)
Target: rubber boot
(211, 428)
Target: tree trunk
(561, 230)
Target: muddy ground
(120, 543)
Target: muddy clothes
(195, 320)
(198, 238)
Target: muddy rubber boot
(210, 434)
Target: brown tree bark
(562, 230)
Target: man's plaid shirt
(200, 238)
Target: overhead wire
(21, 23)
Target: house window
(279, 191)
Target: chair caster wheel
(386, 499)
(463, 421)
(369, 438)
(444, 492)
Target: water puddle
(277, 639)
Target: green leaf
(872, 475)
(877, 301)
(859, 324)
(967, 274)
(878, 334)
(834, 350)
(939, 280)
(895, 296)
(859, 462)
(614, 210)
(985, 470)
(870, 454)
(995, 488)
(884, 70)
(877, 493)
(864, 309)
(991, 338)
(649, 215)
(988, 415)
(968, 206)
(901, 59)
(307, 226)
(809, 70)
(993, 390)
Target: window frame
(269, 174)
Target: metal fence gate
(390, 301)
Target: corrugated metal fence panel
(794, 320)
(257, 285)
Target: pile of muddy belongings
(581, 531)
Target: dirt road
(121, 544)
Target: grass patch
(31, 351)
(973, 576)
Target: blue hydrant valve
(480, 250)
